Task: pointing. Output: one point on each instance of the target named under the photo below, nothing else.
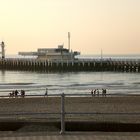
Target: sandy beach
(35, 109)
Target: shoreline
(73, 95)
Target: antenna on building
(101, 57)
(101, 54)
(69, 41)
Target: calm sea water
(75, 82)
(69, 82)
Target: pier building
(50, 54)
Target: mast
(69, 41)
(101, 57)
(101, 54)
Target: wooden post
(62, 113)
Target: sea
(35, 83)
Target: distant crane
(2, 50)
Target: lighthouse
(3, 50)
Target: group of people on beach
(96, 92)
(16, 93)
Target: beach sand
(34, 109)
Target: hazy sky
(110, 25)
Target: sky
(110, 25)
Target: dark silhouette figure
(16, 93)
(22, 93)
(104, 92)
(91, 92)
(98, 93)
(46, 92)
(95, 92)
(11, 94)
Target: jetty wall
(75, 65)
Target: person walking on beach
(104, 92)
(92, 92)
(11, 95)
(98, 92)
(46, 93)
(22, 93)
(16, 93)
(95, 92)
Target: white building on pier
(59, 53)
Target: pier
(116, 65)
(62, 59)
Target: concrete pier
(75, 65)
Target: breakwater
(75, 65)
